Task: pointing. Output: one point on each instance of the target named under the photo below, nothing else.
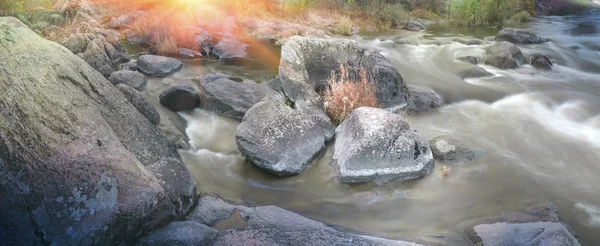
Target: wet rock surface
(220, 94)
(280, 139)
(422, 99)
(540, 61)
(179, 98)
(449, 150)
(265, 225)
(376, 145)
(519, 36)
(158, 66)
(539, 225)
(79, 162)
(504, 55)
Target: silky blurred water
(540, 131)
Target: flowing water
(540, 131)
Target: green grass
(522, 17)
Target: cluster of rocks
(506, 55)
(79, 164)
(284, 125)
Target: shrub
(343, 95)
(344, 26)
(522, 17)
(477, 12)
(424, 14)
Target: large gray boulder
(450, 150)
(519, 36)
(279, 139)
(310, 61)
(230, 98)
(270, 225)
(536, 226)
(131, 78)
(423, 99)
(158, 66)
(78, 163)
(504, 55)
(140, 103)
(376, 145)
(179, 98)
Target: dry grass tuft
(343, 95)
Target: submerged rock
(519, 36)
(414, 26)
(504, 55)
(179, 98)
(376, 145)
(131, 78)
(228, 97)
(77, 159)
(279, 139)
(140, 103)
(158, 66)
(470, 59)
(310, 61)
(539, 225)
(422, 99)
(450, 150)
(472, 71)
(540, 61)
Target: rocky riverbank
(83, 162)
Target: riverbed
(540, 131)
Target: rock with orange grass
(376, 145)
(310, 61)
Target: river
(540, 131)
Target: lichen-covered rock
(310, 61)
(540, 61)
(228, 97)
(140, 103)
(158, 66)
(519, 36)
(376, 145)
(79, 165)
(128, 77)
(450, 150)
(179, 98)
(180, 233)
(279, 139)
(414, 26)
(504, 55)
(422, 99)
